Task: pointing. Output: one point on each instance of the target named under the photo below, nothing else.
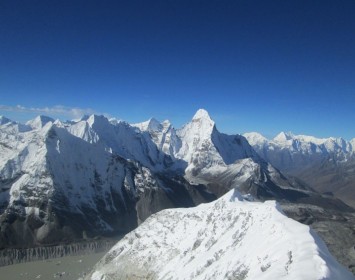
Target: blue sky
(265, 66)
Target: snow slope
(162, 134)
(55, 186)
(122, 139)
(198, 143)
(220, 161)
(231, 238)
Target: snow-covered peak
(96, 120)
(255, 138)
(202, 114)
(150, 125)
(312, 139)
(230, 238)
(39, 122)
(197, 136)
(201, 125)
(4, 120)
(154, 125)
(283, 136)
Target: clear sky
(265, 66)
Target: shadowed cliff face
(60, 188)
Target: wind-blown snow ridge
(230, 238)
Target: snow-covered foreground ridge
(230, 238)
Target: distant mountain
(220, 161)
(231, 238)
(39, 122)
(4, 120)
(62, 181)
(57, 187)
(326, 165)
(92, 177)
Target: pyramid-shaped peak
(153, 121)
(153, 125)
(202, 114)
(284, 136)
(98, 120)
(150, 125)
(39, 121)
(4, 120)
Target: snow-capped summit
(39, 122)
(90, 175)
(98, 121)
(302, 144)
(283, 136)
(149, 125)
(202, 114)
(325, 164)
(230, 238)
(203, 146)
(162, 134)
(61, 179)
(255, 138)
(122, 139)
(4, 120)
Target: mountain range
(326, 165)
(95, 177)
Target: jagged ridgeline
(325, 164)
(62, 182)
(70, 181)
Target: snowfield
(231, 238)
